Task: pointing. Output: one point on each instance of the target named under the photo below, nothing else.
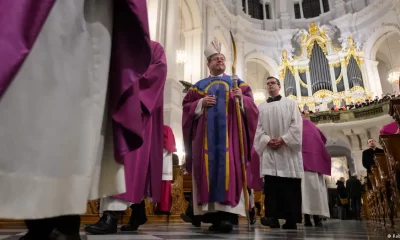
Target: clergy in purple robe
(390, 128)
(211, 139)
(143, 167)
(54, 78)
(317, 163)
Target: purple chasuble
(21, 22)
(130, 58)
(211, 140)
(143, 167)
(390, 128)
(315, 155)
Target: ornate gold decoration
(335, 64)
(340, 76)
(179, 204)
(93, 207)
(352, 51)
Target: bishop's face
(217, 64)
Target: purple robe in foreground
(390, 128)
(194, 131)
(315, 155)
(21, 22)
(143, 167)
(131, 55)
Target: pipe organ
(323, 73)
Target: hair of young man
(277, 80)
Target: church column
(309, 89)
(247, 6)
(375, 85)
(345, 78)
(264, 11)
(171, 36)
(241, 68)
(285, 16)
(364, 75)
(194, 65)
(333, 78)
(357, 158)
(272, 9)
(297, 79)
(301, 8)
(321, 5)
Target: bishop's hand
(209, 101)
(237, 92)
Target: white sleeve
(199, 109)
(293, 138)
(261, 138)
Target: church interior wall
(262, 41)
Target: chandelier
(181, 57)
(393, 77)
(259, 97)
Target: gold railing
(367, 112)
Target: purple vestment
(315, 155)
(390, 128)
(254, 181)
(217, 168)
(143, 167)
(130, 58)
(21, 22)
(131, 55)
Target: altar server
(317, 163)
(56, 57)
(278, 142)
(211, 138)
(167, 175)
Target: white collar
(217, 76)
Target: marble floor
(333, 229)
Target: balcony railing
(371, 111)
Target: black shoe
(308, 224)
(252, 215)
(186, 218)
(138, 217)
(270, 222)
(196, 221)
(107, 224)
(289, 225)
(225, 226)
(319, 224)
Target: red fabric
(166, 198)
(169, 139)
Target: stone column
(285, 16)
(345, 78)
(321, 5)
(240, 67)
(272, 9)
(309, 89)
(301, 8)
(373, 76)
(210, 25)
(364, 75)
(193, 47)
(247, 7)
(357, 158)
(340, 8)
(264, 11)
(333, 78)
(171, 36)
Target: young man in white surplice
(278, 142)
